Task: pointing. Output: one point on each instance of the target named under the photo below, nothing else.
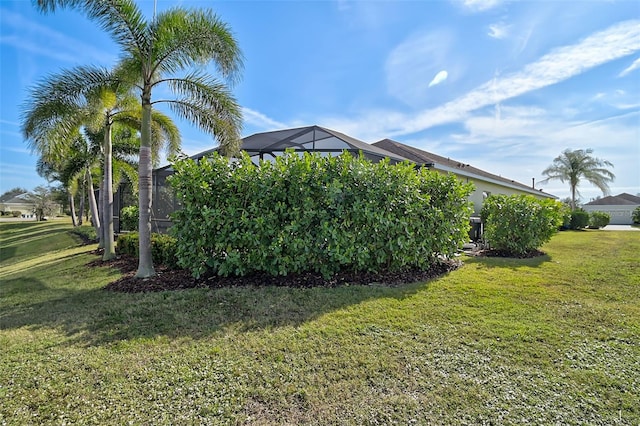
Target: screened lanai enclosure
(260, 146)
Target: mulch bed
(168, 279)
(502, 253)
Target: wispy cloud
(260, 120)
(33, 38)
(634, 66)
(560, 64)
(479, 5)
(499, 30)
(439, 78)
(413, 62)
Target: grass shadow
(508, 262)
(95, 317)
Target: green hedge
(520, 224)
(579, 219)
(163, 248)
(306, 213)
(599, 219)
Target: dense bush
(88, 233)
(599, 219)
(636, 215)
(129, 218)
(520, 224)
(16, 213)
(312, 214)
(163, 247)
(579, 219)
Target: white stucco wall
(620, 215)
(477, 196)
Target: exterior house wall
(620, 215)
(482, 187)
(25, 208)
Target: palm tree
(572, 166)
(96, 99)
(157, 51)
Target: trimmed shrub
(599, 219)
(579, 219)
(128, 244)
(87, 233)
(306, 213)
(636, 215)
(129, 218)
(163, 248)
(520, 224)
(16, 213)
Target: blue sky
(504, 86)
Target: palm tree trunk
(72, 210)
(145, 261)
(93, 205)
(81, 212)
(107, 203)
(573, 197)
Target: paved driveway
(620, 228)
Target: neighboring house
(485, 183)
(19, 203)
(619, 207)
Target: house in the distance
(619, 207)
(485, 183)
(19, 205)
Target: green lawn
(553, 340)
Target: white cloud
(410, 65)
(478, 5)
(634, 66)
(499, 30)
(260, 120)
(561, 64)
(439, 78)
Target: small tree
(599, 219)
(43, 203)
(520, 224)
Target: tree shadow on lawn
(508, 262)
(96, 317)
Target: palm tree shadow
(508, 262)
(97, 317)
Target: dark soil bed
(504, 253)
(168, 279)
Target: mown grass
(501, 341)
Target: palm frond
(186, 38)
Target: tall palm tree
(94, 98)
(157, 52)
(573, 166)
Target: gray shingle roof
(420, 157)
(623, 199)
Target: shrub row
(580, 219)
(519, 224)
(163, 248)
(306, 213)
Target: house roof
(623, 199)
(13, 198)
(309, 138)
(447, 164)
